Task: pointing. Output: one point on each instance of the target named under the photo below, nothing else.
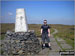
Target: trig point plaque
(21, 22)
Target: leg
(48, 40)
(43, 40)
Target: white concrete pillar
(21, 21)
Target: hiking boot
(43, 47)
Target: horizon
(41, 24)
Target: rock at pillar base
(22, 43)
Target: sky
(55, 12)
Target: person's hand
(49, 35)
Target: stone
(21, 21)
(26, 43)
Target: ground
(57, 43)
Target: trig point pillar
(21, 21)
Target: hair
(45, 20)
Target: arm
(41, 31)
(49, 32)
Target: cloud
(10, 14)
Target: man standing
(45, 31)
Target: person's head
(45, 22)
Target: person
(45, 32)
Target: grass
(59, 44)
(2, 36)
(71, 42)
(67, 33)
(4, 28)
(1, 52)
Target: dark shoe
(50, 48)
(43, 47)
